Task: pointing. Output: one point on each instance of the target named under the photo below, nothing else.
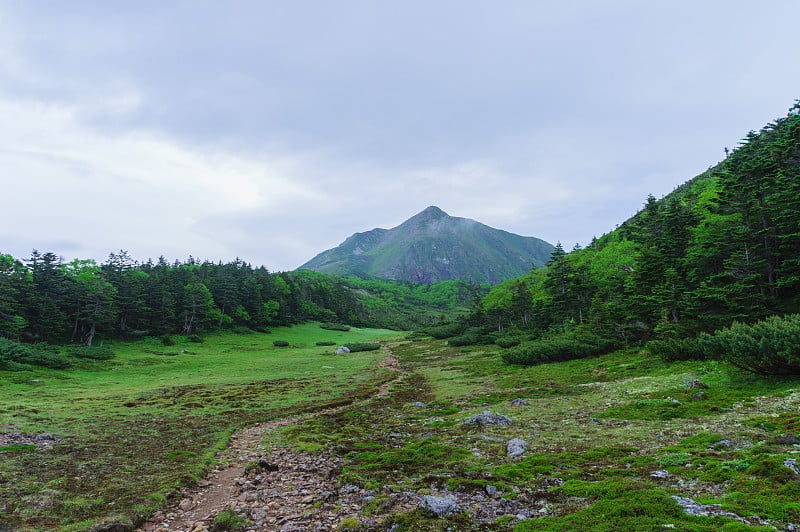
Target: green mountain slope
(723, 247)
(433, 246)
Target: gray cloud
(273, 130)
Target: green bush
(326, 343)
(473, 336)
(241, 329)
(280, 343)
(15, 356)
(767, 347)
(93, 352)
(508, 341)
(362, 346)
(674, 349)
(195, 338)
(560, 347)
(334, 326)
(167, 340)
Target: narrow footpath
(274, 488)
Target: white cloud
(137, 190)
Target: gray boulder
(342, 350)
(516, 447)
(488, 418)
(439, 506)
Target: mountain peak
(432, 213)
(432, 246)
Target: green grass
(138, 426)
(596, 429)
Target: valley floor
(420, 436)
(620, 442)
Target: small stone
(791, 463)
(660, 474)
(516, 447)
(186, 505)
(419, 404)
(519, 402)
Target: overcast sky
(271, 131)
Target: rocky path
(273, 488)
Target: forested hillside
(721, 248)
(43, 299)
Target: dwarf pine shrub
(767, 347)
(15, 356)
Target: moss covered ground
(596, 430)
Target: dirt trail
(276, 488)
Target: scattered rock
(516, 447)
(44, 440)
(439, 506)
(659, 474)
(699, 396)
(488, 418)
(519, 402)
(705, 510)
(342, 350)
(419, 404)
(791, 463)
(696, 384)
(788, 439)
(728, 444)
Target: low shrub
(362, 346)
(579, 343)
(241, 329)
(334, 326)
(100, 352)
(280, 343)
(195, 338)
(167, 340)
(326, 343)
(767, 347)
(675, 349)
(507, 341)
(15, 356)
(473, 336)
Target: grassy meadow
(596, 430)
(136, 427)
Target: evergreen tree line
(722, 248)
(45, 299)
